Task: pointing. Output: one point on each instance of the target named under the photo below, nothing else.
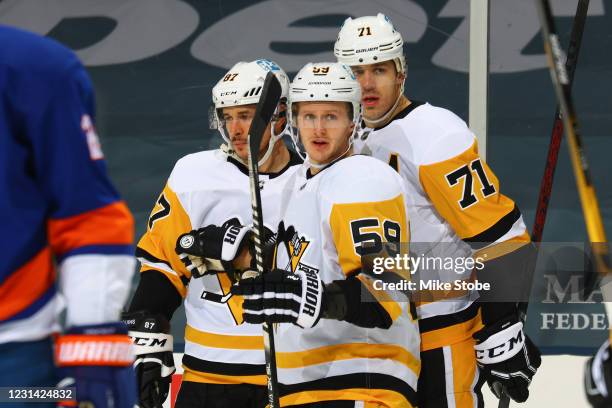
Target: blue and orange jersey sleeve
(86, 214)
(56, 199)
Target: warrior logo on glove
(232, 233)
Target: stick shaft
(268, 101)
(557, 128)
(553, 150)
(580, 165)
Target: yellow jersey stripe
(347, 351)
(223, 340)
(503, 248)
(201, 377)
(451, 334)
(373, 397)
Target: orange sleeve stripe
(109, 225)
(26, 284)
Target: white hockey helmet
(323, 82)
(370, 40)
(242, 85)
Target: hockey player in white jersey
(454, 200)
(224, 362)
(334, 348)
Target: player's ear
(401, 76)
(351, 128)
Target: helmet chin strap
(271, 143)
(387, 115)
(229, 150)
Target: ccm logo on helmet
(503, 348)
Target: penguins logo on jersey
(294, 244)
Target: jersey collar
(403, 113)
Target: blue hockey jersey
(58, 208)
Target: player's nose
(317, 125)
(366, 80)
(235, 128)
(319, 128)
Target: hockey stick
(557, 131)
(553, 151)
(270, 96)
(586, 190)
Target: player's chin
(243, 155)
(241, 149)
(318, 151)
(372, 113)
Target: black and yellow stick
(553, 149)
(584, 181)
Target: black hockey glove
(598, 378)
(211, 249)
(154, 363)
(507, 357)
(279, 296)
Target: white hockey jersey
(210, 188)
(455, 207)
(326, 220)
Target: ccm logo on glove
(501, 346)
(150, 341)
